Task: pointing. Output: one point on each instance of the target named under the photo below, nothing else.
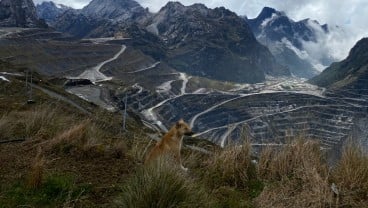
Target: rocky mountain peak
(115, 10)
(201, 40)
(267, 12)
(287, 40)
(174, 5)
(19, 13)
(49, 11)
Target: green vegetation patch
(55, 190)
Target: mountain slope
(19, 13)
(286, 40)
(49, 11)
(349, 73)
(215, 43)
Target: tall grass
(162, 185)
(37, 171)
(6, 128)
(297, 176)
(351, 178)
(40, 122)
(230, 167)
(293, 158)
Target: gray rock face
(285, 38)
(49, 11)
(115, 10)
(214, 43)
(101, 18)
(19, 13)
(80, 26)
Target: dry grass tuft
(162, 185)
(119, 149)
(297, 176)
(139, 147)
(230, 167)
(75, 137)
(38, 121)
(6, 128)
(37, 171)
(286, 162)
(351, 178)
(41, 122)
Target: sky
(350, 15)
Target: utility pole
(125, 112)
(30, 100)
(27, 81)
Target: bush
(162, 185)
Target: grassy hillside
(70, 158)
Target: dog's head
(183, 128)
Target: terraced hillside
(267, 114)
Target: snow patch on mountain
(268, 20)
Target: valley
(265, 110)
(266, 113)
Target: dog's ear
(178, 124)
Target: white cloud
(78, 4)
(350, 15)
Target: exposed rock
(19, 13)
(214, 43)
(286, 38)
(49, 11)
(102, 18)
(79, 25)
(116, 10)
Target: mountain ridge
(349, 73)
(286, 39)
(206, 42)
(50, 11)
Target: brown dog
(171, 143)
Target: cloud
(350, 15)
(77, 4)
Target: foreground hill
(57, 155)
